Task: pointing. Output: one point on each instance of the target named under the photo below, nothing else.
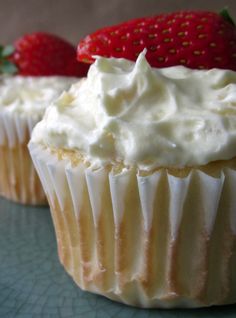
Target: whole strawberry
(196, 39)
(42, 54)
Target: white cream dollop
(131, 113)
(28, 95)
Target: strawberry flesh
(196, 39)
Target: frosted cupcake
(23, 101)
(139, 168)
(44, 66)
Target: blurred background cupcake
(37, 69)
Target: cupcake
(40, 76)
(139, 168)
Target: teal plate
(34, 284)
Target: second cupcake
(43, 66)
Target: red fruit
(43, 54)
(196, 39)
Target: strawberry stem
(226, 16)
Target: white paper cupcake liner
(153, 241)
(18, 179)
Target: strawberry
(42, 54)
(196, 39)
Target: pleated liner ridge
(152, 241)
(18, 179)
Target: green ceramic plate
(34, 284)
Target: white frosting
(29, 96)
(132, 113)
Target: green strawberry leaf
(7, 50)
(225, 14)
(8, 67)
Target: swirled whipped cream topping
(29, 96)
(138, 115)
